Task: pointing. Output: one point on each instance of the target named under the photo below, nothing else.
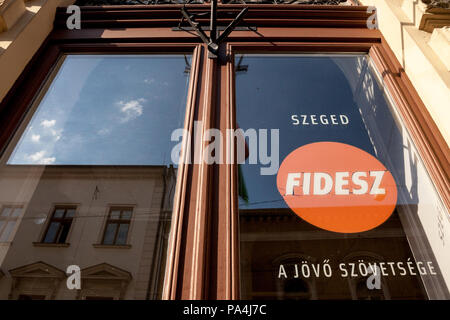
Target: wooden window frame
(203, 249)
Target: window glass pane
(126, 215)
(321, 128)
(59, 213)
(122, 234)
(97, 136)
(64, 232)
(110, 233)
(70, 213)
(4, 236)
(102, 110)
(6, 211)
(115, 214)
(52, 231)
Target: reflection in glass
(117, 226)
(313, 98)
(122, 234)
(126, 215)
(6, 211)
(59, 213)
(7, 231)
(52, 232)
(60, 224)
(110, 233)
(16, 212)
(102, 109)
(91, 167)
(115, 214)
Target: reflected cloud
(104, 131)
(38, 158)
(35, 137)
(88, 122)
(56, 134)
(48, 123)
(131, 109)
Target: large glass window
(97, 137)
(334, 200)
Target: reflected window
(59, 225)
(9, 216)
(97, 134)
(117, 226)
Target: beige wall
(424, 55)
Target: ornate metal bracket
(214, 39)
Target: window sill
(111, 246)
(44, 244)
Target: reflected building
(110, 221)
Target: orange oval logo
(337, 187)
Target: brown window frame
(203, 252)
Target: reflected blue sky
(275, 87)
(108, 110)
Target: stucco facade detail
(424, 54)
